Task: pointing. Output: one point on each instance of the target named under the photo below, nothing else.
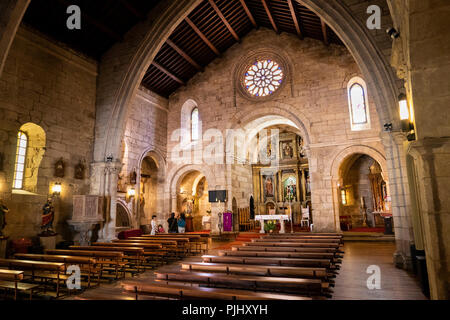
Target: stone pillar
(104, 177)
(394, 143)
(432, 160)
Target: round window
(263, 78)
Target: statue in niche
(48, 216)
(268, 186)
(79, 171)
(60, 168)
(301, 148)
(3, 211)
(133, 177)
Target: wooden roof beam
(132, 9)
(112, 34)
(224, 20)
(324, 32)
(294, 17)
(202, 36)
(269, 14)
(249, 14)
(170, 74)
(184, 55)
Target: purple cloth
(227, 221)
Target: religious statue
(3, 211)
(79, 171)
(268, 186)
(48, 215)
(133, 177)
(59, 168)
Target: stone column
(394, 143)
(104, 177)
(432, 160)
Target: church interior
(224, 149)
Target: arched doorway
(148, 193)
(192, 199)
(363, 194)
(123, 221)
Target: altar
(280, 217)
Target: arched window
(194, 124)
(358, 104)
(19, 168)
(29, 153)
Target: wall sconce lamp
(405, 117)
(56, 189)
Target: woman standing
(154, 227)
(182, 223)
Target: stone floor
(351, 283)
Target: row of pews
(101, 262)
(298, 266)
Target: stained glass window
(194, 124)
(22, 141)
(263, 78)
(358, 104)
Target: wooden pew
(119, 263)
(292, 262)
(110, 258)
(299, 240)
(195, 240)
(189, 292)
(11, 279)
(182, 242)
(276, 271)
(277, 254)
(170, 247)
(292, 244)
(284, 249)
(287, 285)
(38, 269)
(87, 264)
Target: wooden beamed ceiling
(216, 25)
(207, 32)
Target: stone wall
(145, 135)
(52, 87)
(315, 96)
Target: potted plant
(269, 226)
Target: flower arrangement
(270, 226)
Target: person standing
(173, 223)
(182, 224)
(154, 227)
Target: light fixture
(403, 107)
(393, 33)
(56, 189)
(405, 117)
